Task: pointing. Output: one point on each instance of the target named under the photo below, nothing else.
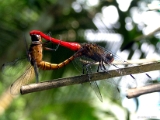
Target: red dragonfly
(70, 45)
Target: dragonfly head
(109, 58)
(36, 39)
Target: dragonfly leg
(83, 68)
(36, 72)
(102, 67)
(51, 49)
(98, 67)
(34, 64)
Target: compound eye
(111, 55)
(38, 36)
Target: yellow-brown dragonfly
(35, 55)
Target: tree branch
(135, 92)
(84, 78)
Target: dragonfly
(90, 51)
(34, 56)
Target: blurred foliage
(59, 18)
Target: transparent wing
(96, 89)
(110, 88)
(88, 66)
(125, 63)
(24, 79)
(82, 61)
(10, 69)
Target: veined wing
(110, 88)
(87, 65)
(82, 61)
(96, 89)
(24, 79)
(11, 69)
(119, 59)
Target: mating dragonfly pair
(87, 53)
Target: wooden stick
(84, 78)
(143, 90)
